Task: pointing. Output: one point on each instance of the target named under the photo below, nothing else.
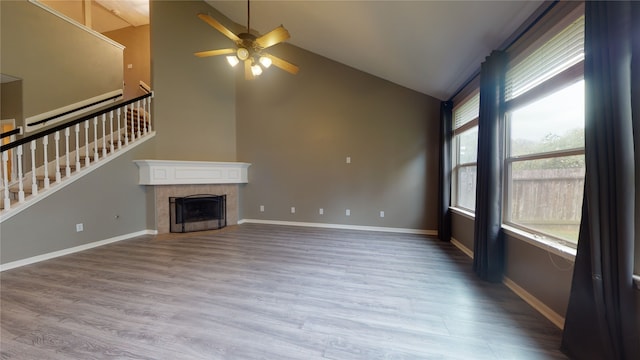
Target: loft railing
(77, 145)
(16, 131)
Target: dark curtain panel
(601, 317)
(444, 193)
(488, 249)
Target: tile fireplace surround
(182, 178)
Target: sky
(556, 113)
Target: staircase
(73, 148)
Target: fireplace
(197, 213)
(172, 178)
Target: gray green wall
(542, 274)
(108, 201)
(298, 130)
(295, 130)
(47, 53)
(195, 98)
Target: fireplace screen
(197, 212)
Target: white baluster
(45, 143)
(149, 113)
(104, 135)
(111, 146)
(126, 127)
(95, 138)
(77, 130)
(131, 123)
(20, 180)
(56, 139)
(144, 111)
(12, 138)
(119, 135)
(5, 160)
(67, 169)
(87, 158)
(3, 174)
(138, 116)
(34, 179)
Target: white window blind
(558, 54)
(466, 112)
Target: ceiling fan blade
(273, 37)
(215, 52)
(248, 74)
(282, 64)
(216, 25)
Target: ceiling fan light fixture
(265, 61)
(242, 53)
(233, 60)
(249, 48)
(256, 70)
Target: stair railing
(106, 130)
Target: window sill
(545, 244)
(466, 213)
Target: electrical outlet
(321, 211)
(381, 214)
(348, 159)
(261, 208)
(79, 227)
(348, 212)
(293, 210)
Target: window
(544, 165)
(465, 145)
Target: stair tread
(42, 177)
(15, 189)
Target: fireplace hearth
(197, 213)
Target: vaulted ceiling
(429, 46)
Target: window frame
(456, 165)
(565, 78)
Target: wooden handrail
(15, 131)
(52, 130)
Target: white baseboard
(55, 254)
(546, 311)
(341, 226)
(461, 247)
(543, 309)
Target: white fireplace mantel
(172, 172)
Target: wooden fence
(547, 196)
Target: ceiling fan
(250, 48)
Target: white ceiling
(429, 46)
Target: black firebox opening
(198, 212)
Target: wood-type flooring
(267, 292)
